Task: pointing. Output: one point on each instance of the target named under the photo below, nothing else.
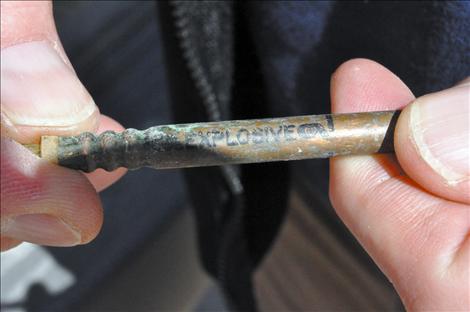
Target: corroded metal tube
(225, 142)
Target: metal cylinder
(228, 142)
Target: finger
(100, 178)
(413, 236)
(41, 93)
(43, 203)
(433, 142)
(8, 243)
(27, 21)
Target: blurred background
(145, 258)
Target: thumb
(420, 241)
(433, 142)
(41, 93)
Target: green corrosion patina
(231, 142)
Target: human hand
(41, 94)
(410, 212)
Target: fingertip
(25, 21)
(41, 94)
(7, 243)
(358, 83)
(101, 179)
(419, 163)
(394, 218)
(89, 219)
(107, 123)
(43, 203)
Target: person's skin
(41, 94)
(411, 213)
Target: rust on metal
(228, 142)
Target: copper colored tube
(225, 142)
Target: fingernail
(41, 229)
(39, 89)
(440, 127)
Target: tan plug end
(49, 148)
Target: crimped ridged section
(111, 150)
(231, 142)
